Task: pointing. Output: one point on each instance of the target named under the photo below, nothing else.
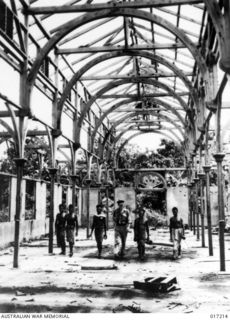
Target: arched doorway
(151, 192)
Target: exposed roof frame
(134, 127)
(159, 115)
(182, 16)
(126, 101)
(104, 6)
(75, 23)
(111, 55)
(121, 82)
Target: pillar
(219, 158)
(73, 178)
(193, 208)
(201, 178)
(52, 172)
(19, 167)
(196, 180)
(207, 169)
(190, 200)
(88, 182)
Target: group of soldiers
(67, 224)
(66, 227)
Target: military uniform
(121, 220)
(99, 227)
(141, 228)
(71, 226)
(60, 225)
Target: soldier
(121, 225)
(176, 228)
(60, 225)
(141, 229)
(71, 228)
(99, 225)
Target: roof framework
(93, 75)
(113, 60)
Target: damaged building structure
(80, 79)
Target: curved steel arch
(86, 18)
(112, 85)
(133, 127)
(133, 114)
(120, 53)
(138, 134)
(147, 131)
(117, 105)
(11, 132)
(118, 122)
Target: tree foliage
(167, 155)
(37, 155)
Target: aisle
(55, 283)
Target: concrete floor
(55, 283)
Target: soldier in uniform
(99, 225)
(176, 229)
(60, 224)
(141, 232)
(71, 228)
(121, 225)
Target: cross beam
(159, 46)
(103, 6)
(31, 133)
(118, 96)
(146, 123)
(140, 111)
(115, 77)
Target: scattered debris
(174, 305)
(157, 284)
(73, 301)
(209, 277)
(165, 244)
(117, 284)
(19, 293)
(134, 309)
(30, 300)
(113, 267)
(120, 308)
(13, 299)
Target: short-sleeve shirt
(121, 217)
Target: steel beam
(165, 46)
(118, 96)
(102, 6)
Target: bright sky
(148, 141)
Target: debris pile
(157, 284)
